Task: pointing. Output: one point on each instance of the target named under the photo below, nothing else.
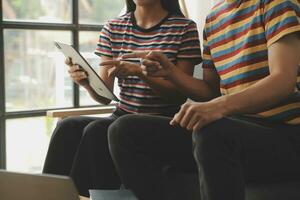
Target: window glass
(27, 141)
(99, 11)
(35, 74)
(38, 10)
(87, 44)
(88, 41)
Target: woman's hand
(154, 63)
(77, 74)
(122, 69)
(194, 116)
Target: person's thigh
(71, 128)
(141, 145)
(93, 167)
(271, 154)
(232, 152)
(266, 152)
(156, 138)
(64, 143)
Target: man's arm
(197, 89)
(156, 64)
(284, 59)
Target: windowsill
(63, 113)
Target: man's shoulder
(224, 7)
(216, 9)
(219, 6)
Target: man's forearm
(196, 89)
(259, 97)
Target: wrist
(172, 72)
(223, 104)
(139, 72)
(87, 87)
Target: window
(33, 76)
(56, 11)
(87, 41)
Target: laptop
(21, 186)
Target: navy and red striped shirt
(175, 36)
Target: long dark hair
(172, 6)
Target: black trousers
(229, 153)
(79, 149)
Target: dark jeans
(232, 152)
(229, 153)
(79, 148)
(141, 146)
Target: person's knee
(96, 132)
(67, 127)
(120, 131)
(119, 128)
(213, 139)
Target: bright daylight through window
(36, 77)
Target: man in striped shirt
(247, 127)
(254, 48)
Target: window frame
(74, 27)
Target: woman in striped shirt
(79, 144)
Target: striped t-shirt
(175, 36)
(237, 35)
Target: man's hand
(154, 63)
(194, 116)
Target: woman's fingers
(151, 65)
(161, 58)
(113, 71)
(153, 55)
(152, 68)
(156, 55)
(77, 71)
(68, 61)
(110, 63)
(74, 68)
(79, 75)
(116, 72)
(134, 55)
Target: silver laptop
(20, 186)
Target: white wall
(198, 10)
